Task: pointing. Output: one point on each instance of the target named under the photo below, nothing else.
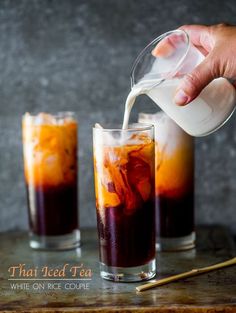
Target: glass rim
(56, 114)
(132, 128)
(155, 41)
(144, 114)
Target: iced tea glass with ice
(125, 201)
(50, 165)
(174, 183)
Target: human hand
(218, 44)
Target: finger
(168, 45)
(192, 84)
(202, 50)
(163, 49)
(200, 35)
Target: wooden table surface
(212, 292)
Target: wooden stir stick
(193, 272)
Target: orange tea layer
(174, 156)
(50, 149)
(124, 174)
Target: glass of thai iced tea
(174, 183)
(125, 201)
(50, 165)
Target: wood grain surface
(211, 292)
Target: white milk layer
(117, 138)
(202, 116)
(168, 135)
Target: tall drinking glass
(50, 163)
(125, 201)
(174, 183)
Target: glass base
(61, 242)
(176, 244)
(128, 274)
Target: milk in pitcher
(205, 114)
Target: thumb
(193, 83)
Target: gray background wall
(76, 55)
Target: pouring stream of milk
(141, 88)
(128, 106)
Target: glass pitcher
(158, 77)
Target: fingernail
(180, 97)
